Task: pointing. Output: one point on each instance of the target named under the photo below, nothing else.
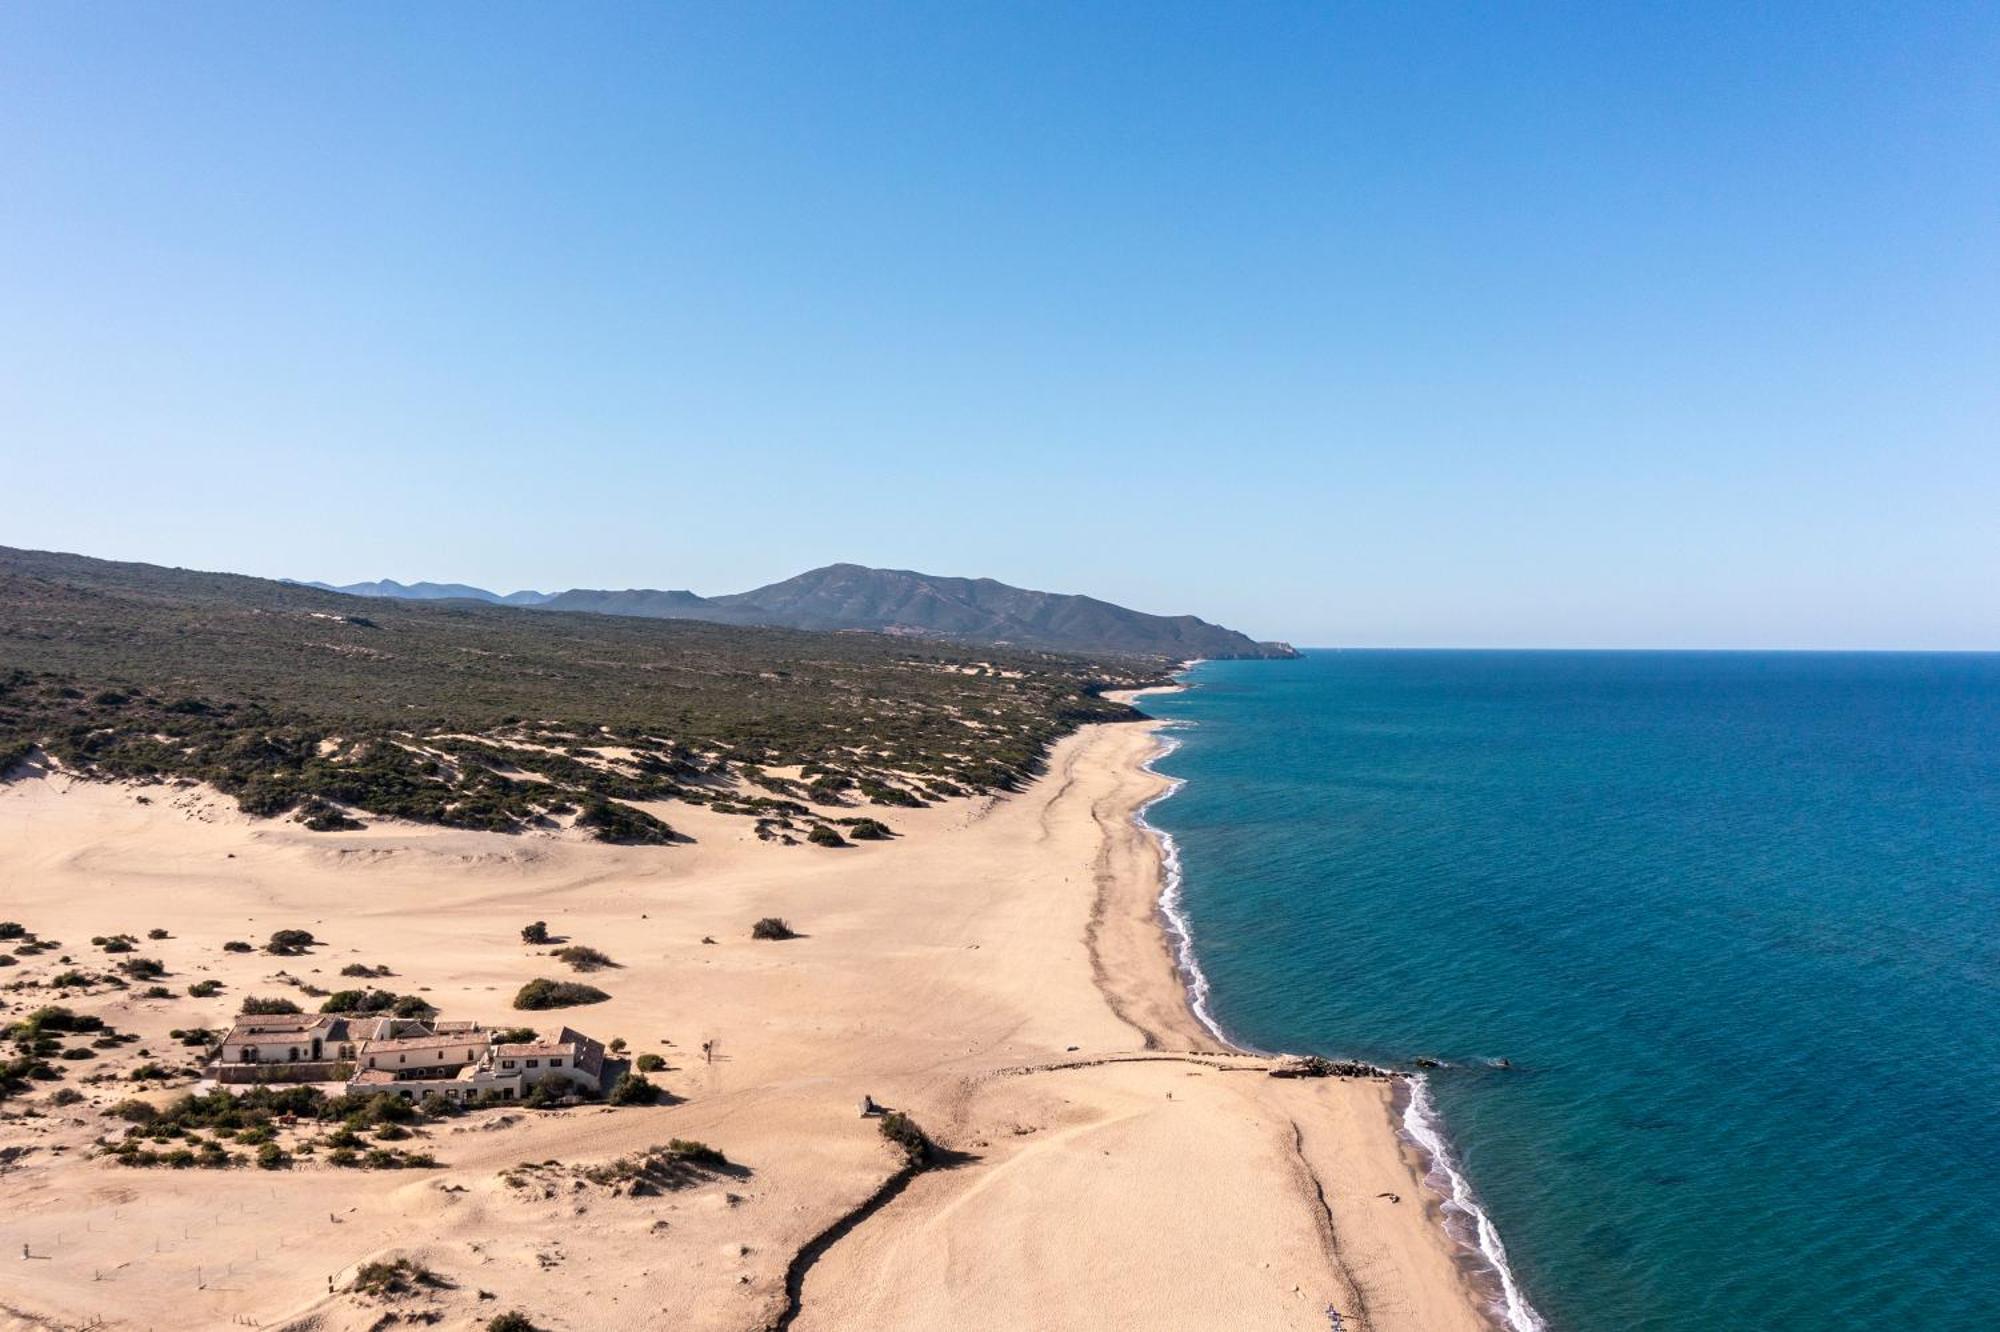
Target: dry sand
(998, 971)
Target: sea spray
(1423, 1127)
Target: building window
(534, 1063)
(555, 1063)
(506, 1063)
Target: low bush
(238, 946)
(254, 1006)
(581, 958)
(773, 927)
(538, 994)
(869, 830)
(289, 943)
(650, 1063)
(202, 989)
(402, 1276)
(634, 1089)
(511, 1321)
(611, 821)
(324, 816)
(367, 1001)
(910, 1140)
(825, 835)
(537, 933)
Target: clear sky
(1591, 324)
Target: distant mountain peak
(847, 596)
(389, 587)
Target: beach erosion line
(1421, 1123)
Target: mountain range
(895, 601)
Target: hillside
(849, 596)
(900, 601)
(491, 716)
(389, 587)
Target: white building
(406, 1057)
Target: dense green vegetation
(295, 700)
(538, 994)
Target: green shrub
(203, 989)
(238, 946)
(633, 1089)
(869, 830)
(402, 1276)
(824, 835)
(611, 821)
(581, 958)
(290, 943)
(650, 1063)
(257, 1007)
(537, 933)
(772, 927)
(511, 1321)
(910, 1140)
(324, 816)
(538, 994)
(12, 929)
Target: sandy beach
(998, 971)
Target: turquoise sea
(1732, 919)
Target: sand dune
(996, 971)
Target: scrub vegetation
(318, 705)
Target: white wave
(1171, 880)
(1421, 1123)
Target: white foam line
(1171, 880)
(1421, 1123)
(1420, 1118)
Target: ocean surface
(1732, 918)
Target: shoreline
(998, 971)
(1482, 1256)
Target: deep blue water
(1733, 918)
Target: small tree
(537, 933)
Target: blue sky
(1486, 324)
